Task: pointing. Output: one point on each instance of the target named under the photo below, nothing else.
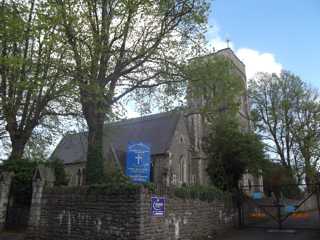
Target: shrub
(201, 192)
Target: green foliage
(116, 177)
(286, 112)
(280, 180)
(95, 166)
(214, 85)
(106, 188)
(230, 153)
(150, 186)
(34, 86)
(23, 169)
(114, 187)
(59, 172)
(201, 192)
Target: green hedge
(111, 188)
(201, 192)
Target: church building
(175, 138)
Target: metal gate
(291, 206)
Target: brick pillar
(5, 184)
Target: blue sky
(271, 34)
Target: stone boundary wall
(187, 219)
(83, 214)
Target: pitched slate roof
(157, 130)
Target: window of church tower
(181, 139)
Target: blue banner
(157, 206)
(138, 162)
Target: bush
(280, 180)
(201, 192)
(230, 152)
(23, 169)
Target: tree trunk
(95, 160)
(18, 145)
(308, 175)
(94, 109)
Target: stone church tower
(196, 123)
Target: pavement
(265, 234)
(245, 234)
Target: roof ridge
(122, 122)
(143, 118)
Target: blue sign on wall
(138, 162)
(157, 206)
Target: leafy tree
(286, 114)
(119, 46)
(33, 84)
(230, 153)
(273, 99)
(279, 180)
(306, 135)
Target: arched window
(182, 169)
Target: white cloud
(254, 60)
(258, 62)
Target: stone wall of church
(85, 214)
(180, 169)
